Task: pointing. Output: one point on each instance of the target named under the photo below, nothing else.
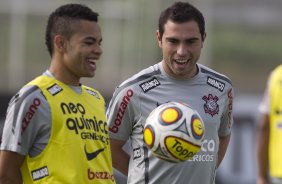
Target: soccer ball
(174, 132)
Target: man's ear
(158, 36)
(204, 38)
(59, 43)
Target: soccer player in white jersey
(178, 77)
(55, 129)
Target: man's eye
(172, 41)
(88, 43)
(192, 41)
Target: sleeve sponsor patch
(30, 113)
(216, 83)
(121, 110)
(150, 84)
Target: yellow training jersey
(275, 141)
(78, 151)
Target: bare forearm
(119, 156)
(121, 161)
(10, 180)
(262, 147)
(10, 164)
(262, 155)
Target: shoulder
(24, 105)
(277, 71)
(139, 78)
(278, 68)
(92, 92)
(27, 99)
(214, 75)
(131, 87)
(28, 93)
(275, 77)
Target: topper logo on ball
(174, 132)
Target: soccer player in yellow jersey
(55, 129)
(269, 149)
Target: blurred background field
(244, 42)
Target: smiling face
(79, 53)
(83, 49)
(181, 45)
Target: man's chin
(89, 75)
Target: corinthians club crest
(211, 105)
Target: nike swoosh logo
(92, 155)
(278, 112)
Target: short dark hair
(181, 12)
(59, 22)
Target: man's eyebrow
(171, 38)
(93, 39)
(188, 39)
(192, 39)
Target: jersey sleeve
(27, 123)
(121, 113)
(227, 117)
